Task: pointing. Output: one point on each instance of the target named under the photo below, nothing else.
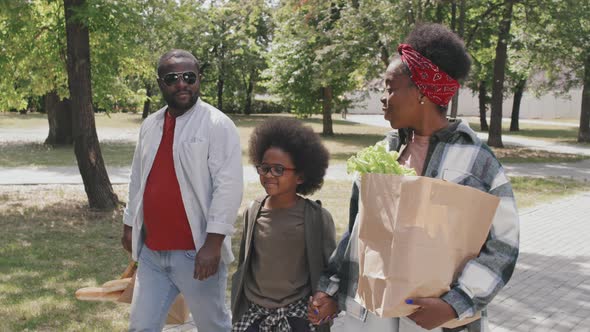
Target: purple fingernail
(409, 301)
(315, 311)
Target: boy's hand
(433, 312)
(321, 308)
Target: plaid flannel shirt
(273, 320)
(457, 155)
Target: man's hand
(126, 238)
(433, 312)
(208, 257)
(321, 308)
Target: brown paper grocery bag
(415, 236)
(178, 313)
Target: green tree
(33, 62)
(312, 64)
(86, 147)
(567, 53)
(495, 133)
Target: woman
(419, 83)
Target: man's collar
(183, 115)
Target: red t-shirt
(164, 216)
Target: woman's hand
(321, 308)
(432, 312)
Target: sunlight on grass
(114, 153)
(534, 191)
(553, 133)
(516, 154)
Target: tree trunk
(584, 131)
(495, 135)
(439, 16)
(147, 102)
(460, 32)
(483, 123)
(59, 115)
(220, 93)
(327, 111)
(453, 15)
(455, 105)
(86, 146)
(249, 89)
(518, 91)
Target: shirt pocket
(194, 155)
(464, 178)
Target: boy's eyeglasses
(170, 79)
(275, 170)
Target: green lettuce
(376, 159)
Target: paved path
(550, 289)
(120, 175)
(117, 175)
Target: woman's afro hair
(441, 46)
(305, 147)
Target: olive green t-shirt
(278, 273)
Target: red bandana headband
(432, 82)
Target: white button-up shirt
(208, 164)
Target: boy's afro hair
(441, 46)
(305, 147)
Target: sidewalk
(120, 175)
(117, 175)
(550, 288)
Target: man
(184, 194)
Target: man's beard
(171, 101)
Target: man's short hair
(177, 53)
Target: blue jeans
(161, 276)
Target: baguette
(116, 285)
(97, 294)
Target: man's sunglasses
(275, 169)
(172, 78)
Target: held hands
(432, 312)
(208, 257)
(321, 308)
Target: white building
(546, 106)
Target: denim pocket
(190, 254)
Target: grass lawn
(538, 131)
(349, 138)
(51, 244)
(115, 153)
(38, 120)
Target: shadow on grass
(46, 254)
